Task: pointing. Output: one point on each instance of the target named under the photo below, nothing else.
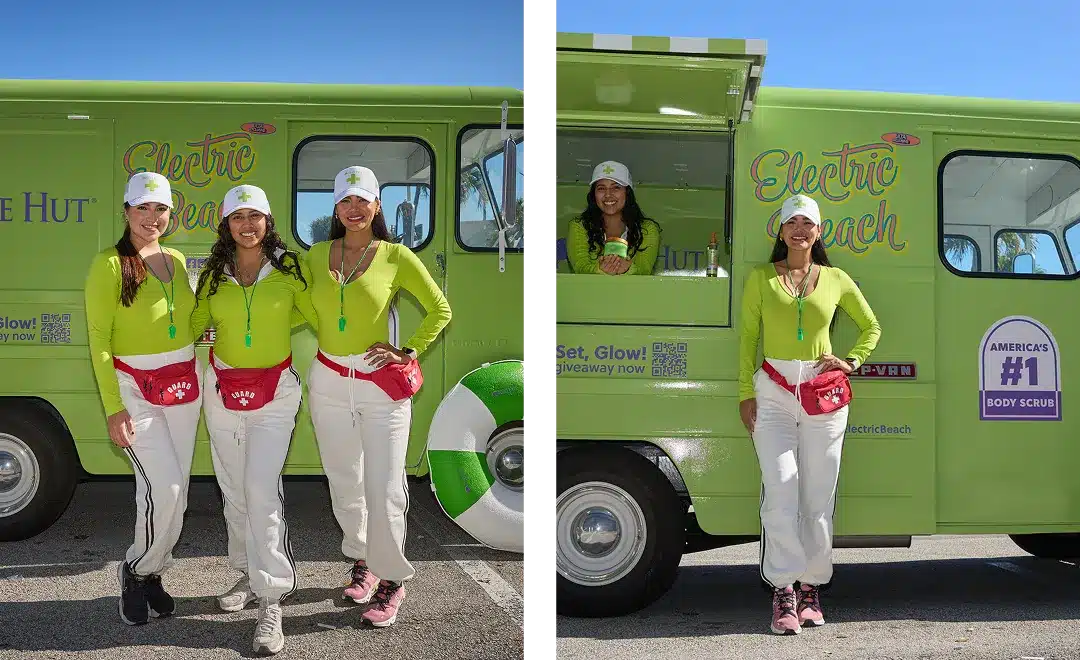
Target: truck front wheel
(619, 532)
(38, 471)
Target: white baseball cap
(610, 169)
(245, 197)
(800, 205)
(145, 187)
(356, 180)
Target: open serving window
(668, 109)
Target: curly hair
(224, 253)
(592, 218)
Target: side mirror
(1023, 263)
(509, 191)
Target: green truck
(959, 219)
(450, 162)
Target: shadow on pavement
(726, 599)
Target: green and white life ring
(476, 455)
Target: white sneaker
(238, 597)
(268, 636)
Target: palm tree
(320, 229)
(1012, 244)
(957, 249)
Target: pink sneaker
(387, 601)
(810, 613)
(784, 620)
(363, 584)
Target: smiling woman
(612, 235)
(254, 291)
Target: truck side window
(1015, 207)
(679, 181)
(963, 253)
(480, 177)
(404, 167)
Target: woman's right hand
(748, 413)
(613, 264)
(121, 429)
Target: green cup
(616, 246)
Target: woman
(251, 289)
(612, 215)
(798, 435)
(138, 302)
(360, 386)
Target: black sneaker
(133, 609)
(159, 600)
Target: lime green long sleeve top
(278, 302)
(368, 298)
(583, 261)
(766, 303)
(142, 328)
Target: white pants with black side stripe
(799, 455)
(248, 449)
(363, 437)
(160, 456)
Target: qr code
(669, 359)
(56, 328)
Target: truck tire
(1049, 546)
(620, 532)
(39, 470)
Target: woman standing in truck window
(795, 406)
(612, 235)
(138, 302)
(254, 291)
(361, 384)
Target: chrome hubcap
(506, 458)
(19, 475)
(601, 534)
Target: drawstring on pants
(798, 395)
(352, 400)
(241, 429)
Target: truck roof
(254, 92)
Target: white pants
(363, 436)
(249, 449)
(799, 456)
(160, 455)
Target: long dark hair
(224, 253)
(132, 268)
(817, 256)
(378, 226)
(592, 218)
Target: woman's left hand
(381, 354)
(828, 362)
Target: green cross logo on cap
(608, 169)
(243, 196)
(151, 185)
(352, 179)
(799, 202)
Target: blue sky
(1024, 50)
(416, 42)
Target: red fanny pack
(170, 385)
(248, 389)
(399, 381)
(825, 393)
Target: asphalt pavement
(955, 597)
(58, 590)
